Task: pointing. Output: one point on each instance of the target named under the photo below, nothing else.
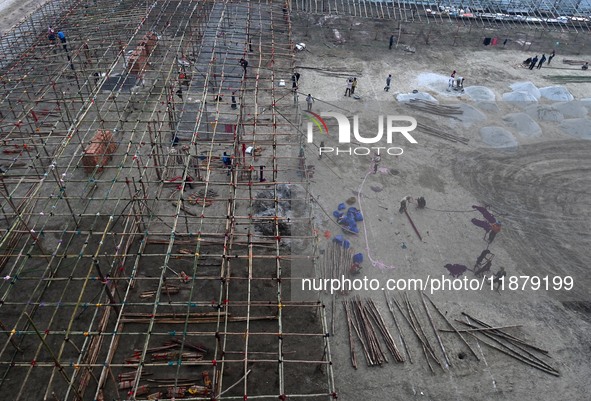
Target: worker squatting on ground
(495, 228)
(421, 202)
(51, 35)
(63, 39)
(404, 203)
(227, 160)
(355, 269)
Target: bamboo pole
(453, 327)
(401, 334)
(435, 330)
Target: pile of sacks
(348, 220)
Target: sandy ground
(527, 161)
(12, 11)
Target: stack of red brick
(99, 152)
(139, 57)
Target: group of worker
(52, 36)
(534, 62)
(483, 264)
(456, 79)
(407, 200)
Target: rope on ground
(451, 211)
(375, 263)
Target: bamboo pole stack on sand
(364, 318)
(509, 345)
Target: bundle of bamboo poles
(167, 356)
(508, 344)
(379, 321)
(410, 315)
(336, 262)
(573, 62)
(182, 318)
(169, 351)
(166, 289)
(569, 79)
(437, 109)
(364, 317)
(440, 134)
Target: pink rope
(375, 263)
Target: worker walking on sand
(244, 64)
(551, 56)
(542, 61)
(309, 101)
(391, 42)
(388, 80)
(533, 62)
(376, 159)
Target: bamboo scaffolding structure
(137, 219)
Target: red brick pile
(139, 57)
(99, 152)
